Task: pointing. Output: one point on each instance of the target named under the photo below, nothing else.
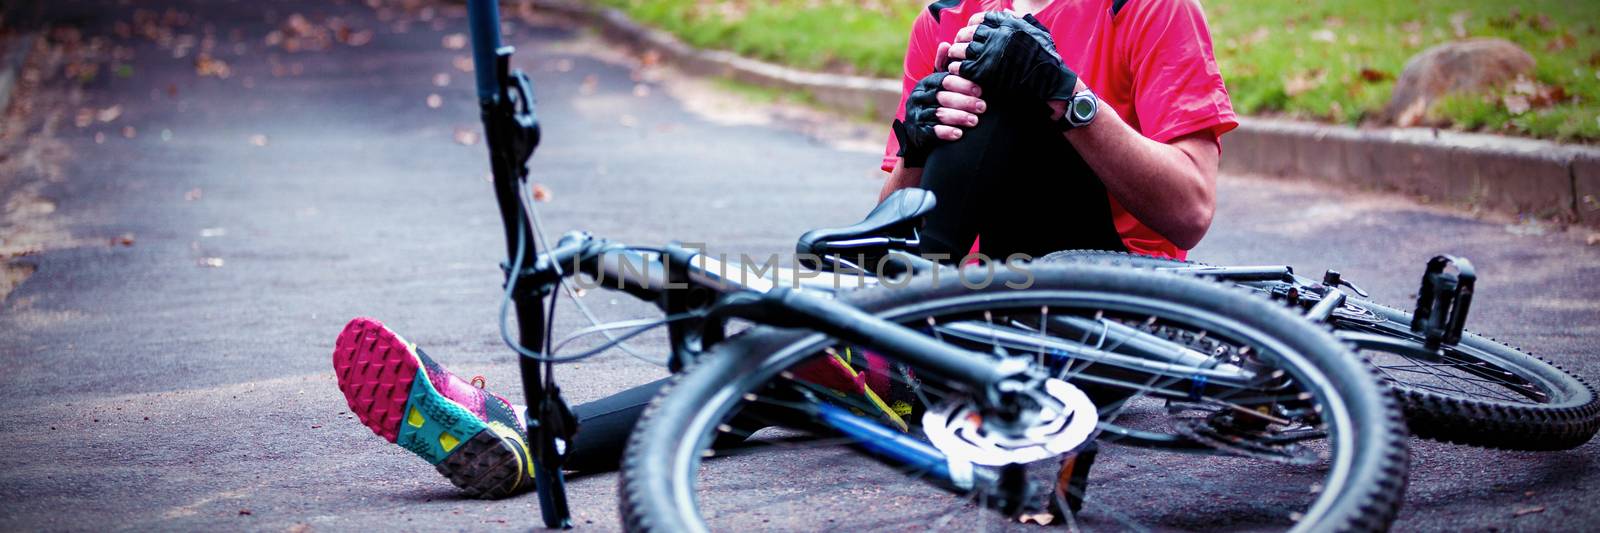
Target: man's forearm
(900, 178)
(1169, 187)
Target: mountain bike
(1455, 386)
(942, 397)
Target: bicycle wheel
(1478, 392)
(1260, 420)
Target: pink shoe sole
(375, 370)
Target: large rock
(1474, 65)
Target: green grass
(855, 37)
(1274, 62)
(1326, 60)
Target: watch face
(1083, 108)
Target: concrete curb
(1524, 177)
(1512, 175)
(16, 51)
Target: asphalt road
(167, 365)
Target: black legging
(1012, 178)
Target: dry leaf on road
(455, 41)
(466, 137)
(109, 114)
(434, 101)
(441, 79)
(258, 139)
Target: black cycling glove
(916, 132)
(1016, 56)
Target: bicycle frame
(677, 280)
(699, 297)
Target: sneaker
(862, 380)
(473, 437)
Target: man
(1009, 163)
(1067, 124)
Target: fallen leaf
(205, 65)
(1302, 82)
(125, 239)
(1412, 114)
(1458, 23)
(455, 41)
(1524, 86)
(258, 139)
(1561, 42)
(591, 83)
(434, 101)
(99, 137)
(541, 193)
(1529, 510)
(84, 118)
(244, 512)
(441, 79)
(1372, 75)
(1516, 104)
(193, 194)
(359, 38)
(109, 114)
(564, 65)
(466, 137)
(462, 63)
(214, 262)
(1324, 35)
(1042, 519)
(129, 132)
(1542, 22)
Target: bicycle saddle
(890, 226)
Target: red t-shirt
(1152, 62)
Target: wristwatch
(1081, 110)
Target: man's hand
(1014, 55)
(937, 110)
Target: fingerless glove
(915, 133)
(1016, 57)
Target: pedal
(1443, 301)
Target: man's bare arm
(1170, 187)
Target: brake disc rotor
(958, 429)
